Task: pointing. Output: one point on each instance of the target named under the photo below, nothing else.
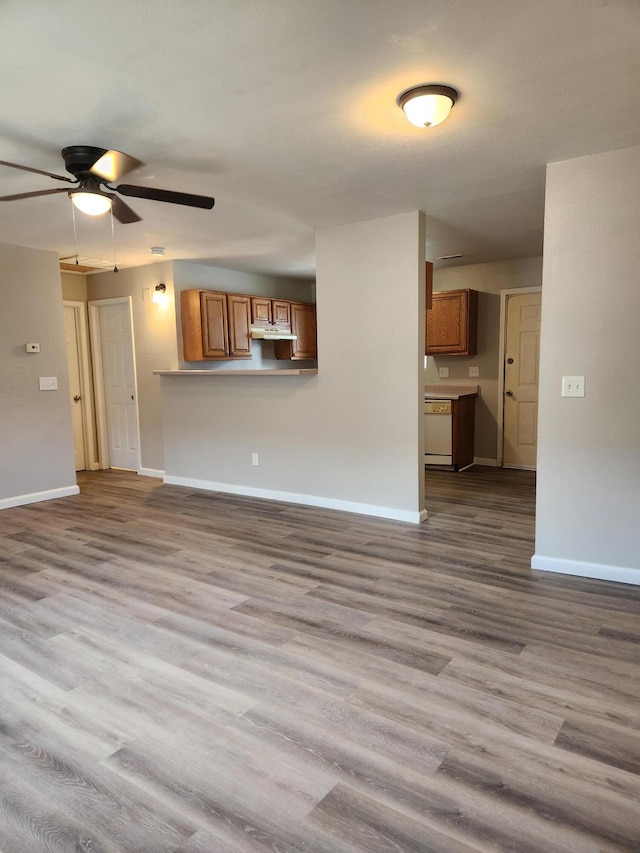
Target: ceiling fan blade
(33, 195)
(36, 171)
(167, 195)
(112, 165)
(122, 212)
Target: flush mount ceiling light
(426, 106)
(90, 199)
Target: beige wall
(36, 447)
(588, 502)
(489, 280)
(74, 287)
(348, 437)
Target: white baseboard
(36, 497)
(294, 497)
(619, 574)
(492, 463)
(151, 472)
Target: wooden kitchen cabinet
(452, 323)
(463, 431)
(270, 312)
(215, 325)
(303, 325)
(239, 314)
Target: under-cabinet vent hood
(271, 333)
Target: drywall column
(371, 290)
(36, 442)
(588, 505)
(348, 438)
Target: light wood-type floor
(183, 671)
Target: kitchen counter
(449, 392)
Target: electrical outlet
(474, 372)
(443, 372)
(254, 459)
(573, 386)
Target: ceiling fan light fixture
(91, 203)
(427, 106)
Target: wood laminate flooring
(185, 672)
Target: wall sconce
(159, 295)
(426, 106)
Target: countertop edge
(299, 371)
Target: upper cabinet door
(281, 313)
(239, 308)
(260, 311)
(215, 331)
(452, 323)
(303, 324)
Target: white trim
(491, 463)
(86, 384)
(151, 472)
(36, 497)
(504, 295)
(619, 574)
(98, 376)
(294, 497)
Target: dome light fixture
(90, 199)
(427, 106)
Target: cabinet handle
(508, 393)
(77, 398)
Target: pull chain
(113, 239)
(75, 234)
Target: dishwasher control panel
(437, 407)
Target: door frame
(504, 298)
(86, 384)
(98, 376)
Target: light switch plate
(573, 386)
(32, 347)
(474, 372)
(48, 383)
(443, 372)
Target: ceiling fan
(94, 169)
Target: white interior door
(119, 385)
(72, 339)
(522, 357)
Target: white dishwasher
(438, 439)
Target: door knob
(77, 398)
(508, 393)
(509, 361)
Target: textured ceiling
(285, 111)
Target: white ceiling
(285, 111)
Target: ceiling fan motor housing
(78, 159)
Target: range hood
(271, 333)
